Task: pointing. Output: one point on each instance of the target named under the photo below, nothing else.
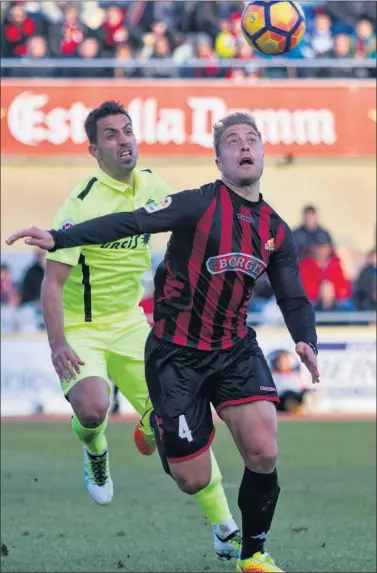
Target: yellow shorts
(113, 351)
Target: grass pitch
(325, 521)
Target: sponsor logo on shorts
(240, 262)
(157, 206)
(66, 225)
(267, 389)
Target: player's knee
(262, 459)
(192, 484)
(193, 475)
(92, 413)
(90, 401)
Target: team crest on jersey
(240, 262)
(152, 207)
(66, 225)
(270, 244)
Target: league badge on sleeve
(157, 206)
(66, 225)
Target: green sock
(212, 499)
(93, 438)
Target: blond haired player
(96, 328)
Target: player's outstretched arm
(181, 209)
(298, 313)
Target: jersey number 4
(184, 431)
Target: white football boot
(227, 542)
(97, 477)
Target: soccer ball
(273, 27)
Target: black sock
(257, 499)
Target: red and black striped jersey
(220, 244)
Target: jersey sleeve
(284, 275)
(175, 212)
(66, 217)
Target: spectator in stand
(365, 40)
(310, 232)
(226, 9)
(116, 32)
(37, 49)
(29, 316)
(93, 17)
(124, 53)
(114, 29)
(184, 48)
(327, 300)
(18, 27)
(322, 40)
(52, 11)
(206, 18)
(204, 51)
(225, 41)
(344, 47)
(88, 50)
(161, 51)
(366, 44)
(148, 46)
(236, 26)
(160, 30)
(324, 265)
(167, 12)
(366, 284)
(32, 281)
(9, 294)
(244, 52)
(66, 36)
(9, 301)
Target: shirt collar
(241, 200)
(117, 185)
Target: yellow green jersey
(106, 279)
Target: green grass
(325, 521)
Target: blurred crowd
(179, 30)
(326, 281)
(21, 303)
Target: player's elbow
(50, 288)
(294, 303)
(55, 276)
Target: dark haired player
(224, 236)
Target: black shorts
(183, 382)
